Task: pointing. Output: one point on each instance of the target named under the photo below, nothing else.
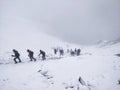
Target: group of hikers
(71, 51)
(30, 55)
(43, 54)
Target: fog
(76, 21)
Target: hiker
(16, 56)
(78, 52)
(30, 55)
(43, 54)
(75, 50)
(72, 52)
(55, 51)
(61, 52)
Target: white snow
(98, 68)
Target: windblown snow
(97, 67)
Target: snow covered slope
(106, 43)
(96, 69)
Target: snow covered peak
(103, 43)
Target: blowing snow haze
(76, 21)
(55, 26)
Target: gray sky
(77, 21)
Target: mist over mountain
(54, 31)
(75, 21)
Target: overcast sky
(76, 21)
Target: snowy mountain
(21, 34)
(103, 43)
(95, 69)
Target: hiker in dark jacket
(55, 51)
(43, 54)
(16, 56)
(78, 52)
(61, 52)
(30, 55)
(72, 53)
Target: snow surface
(98, 67)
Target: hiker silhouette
(55, 51)
(16, 56)
(30, 55)
(43, 54)
(78, 52)
(61, 52)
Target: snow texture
(97, 68)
